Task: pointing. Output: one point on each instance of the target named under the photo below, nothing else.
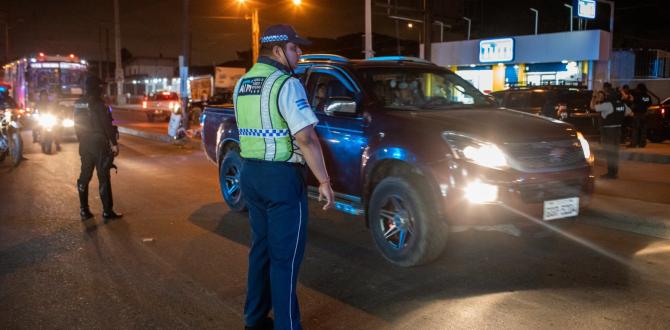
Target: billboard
(496, 50)
(226, 77)
(585, 8)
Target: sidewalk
(638, 201)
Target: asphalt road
(178, 260)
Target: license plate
(561, 208)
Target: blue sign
(586, 8)
(496, 50)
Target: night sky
(153, 27)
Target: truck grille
(538, 192)
(545, 156)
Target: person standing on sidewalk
(612, 109)
(97, 148)
(641, 102)
(277, 137)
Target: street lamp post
(469, 25)
(609, 62)
(255, 29)
(537, 14)
(570, 16)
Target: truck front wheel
(229, 181)
(404, 226)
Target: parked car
(196, 107)
(658, 121)
(567, 103)
(161, 105)
(414, 149)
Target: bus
(59, 78)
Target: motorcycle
(11, 143)
(48, 131)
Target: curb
(626, 222)
(634, 156)
(195, 144)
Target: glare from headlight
(486, 155)
(68, 123)
(48, 121)
(585, 146)
(478, 192)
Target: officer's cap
(282, 33)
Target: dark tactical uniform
(96, 135)
(641, 102)
(611, 134)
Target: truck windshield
(412, 89)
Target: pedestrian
(641, 102)
(611, 108)
(626, 126)
(277, 137)
(97, 148)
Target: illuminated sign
(72, 66)
(44, 65)
(496, 50)
(586, 8)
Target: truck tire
(229, 181)
(404, 226)
(655, 135)
(16, 148)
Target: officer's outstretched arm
(311, 150)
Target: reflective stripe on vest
(263, 131)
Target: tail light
(144, 104)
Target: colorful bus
(58, 78)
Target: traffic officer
(641, 102)
(277, 137)
(612, 109)
(97, 147)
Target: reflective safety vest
(264, 133)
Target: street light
(255, 28)
(537, 14)
(469, 25)
(570, 16)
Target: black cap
(93, 84)
(282, 33)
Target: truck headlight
(585, 147)
(479, 152)
(68, 123)
(48, 121)
(478, 192)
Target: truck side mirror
(340, 105)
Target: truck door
(335, 99)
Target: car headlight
(68, 123)
(585, 147)
(479, 152)
(48, 121)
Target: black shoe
(630, 146)
(608, 176)
(111, 215)
(265, 324)
(85, 214)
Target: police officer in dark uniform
(641, 102)
(612, 109)
(97, 147)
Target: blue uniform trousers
(276, 196)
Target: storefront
(579, 57)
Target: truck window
(323, 86)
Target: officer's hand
(326, 193)
(115, 150)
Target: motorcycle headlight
(48, 121)
(585, 147)
(68, 123)
(473, 150)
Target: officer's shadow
(342, 262)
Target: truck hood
(491, 124)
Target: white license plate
(561, 208)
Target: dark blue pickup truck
(414, 148)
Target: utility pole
(537, 14)
(368, 29)
(609, 62)
(427, 29)
(183, 65)
(100, 51)
(118, 73)
(255, 35)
